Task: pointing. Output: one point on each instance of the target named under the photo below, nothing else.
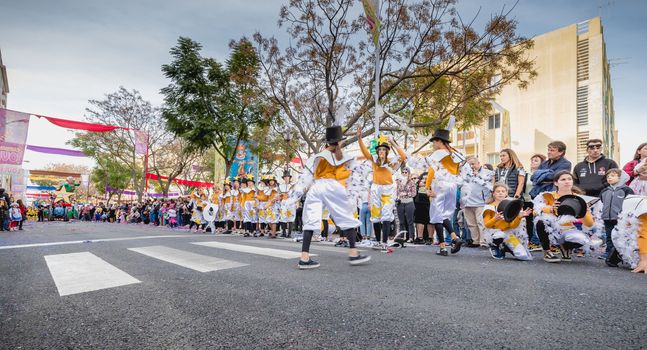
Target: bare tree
(429, 54)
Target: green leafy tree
(113, 173)
(210, 104)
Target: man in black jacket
(589, 174)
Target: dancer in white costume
(556, 223)
(630, 235)
(443, 179)
(262, 196)
(272, 208)
(382, 192)
(249, 205)
(506, 234)
(287, 208)
(325, 179)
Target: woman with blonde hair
(503, 235)
(511, 173)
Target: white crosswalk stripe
(277, 253)
(197, 262)
(84, 272)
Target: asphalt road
(410, 299)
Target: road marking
(84, 272)
(198, 262)
(91, 241)
(277, 253)
(313, 246)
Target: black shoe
(261, 235)
(566, 254)
(613, 259)
(310, 264)
(358, 260)
(456, 245)
(418, 241)
(442, 252)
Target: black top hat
(510, 208)
(382, 141)
(334, 134)
(572, 205)
(441, 134)
(286, 174)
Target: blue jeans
(365, 227)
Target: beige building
(4, 84)
(571, 100)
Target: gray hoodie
(612, 198)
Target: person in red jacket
(640, 157)
(23, 212)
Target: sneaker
(339, 243)
(497, 253)
(551, 257)
(418, 241)
(310, 264)
(534, 247)
(358, 260)
(456, 245)
(442, 252)
(379, 246)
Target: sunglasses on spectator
(595, 146)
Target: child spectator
(612, 198)
(639, 184)
(14, 216)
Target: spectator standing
(406, 190)
(590, 174)
(542, 179)
(476, 190)
(23, 213)
(635, 166)
(510, 172)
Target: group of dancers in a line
(332, 181)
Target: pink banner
(13, 135)
(141, 142)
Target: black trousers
(405, 214)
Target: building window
(494, 121)
(493, 158)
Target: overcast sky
(61, 53)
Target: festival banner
(371, 8)
(58, 151)
(141, 142)
(13, 136)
